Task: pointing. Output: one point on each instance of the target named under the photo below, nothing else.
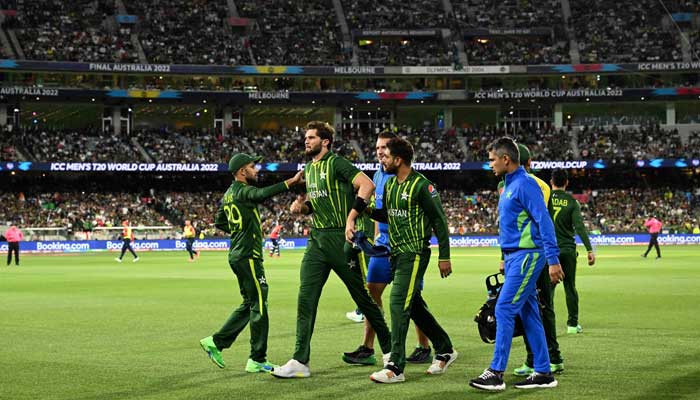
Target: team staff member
(13, 235)
(331, 182)
(189, 234)
(544, 289)
(527, 238)
(238, 216)
(654, 227)
(412, 208)
(566, 214)
(127, 238)
(379, 275)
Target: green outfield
(85, 327)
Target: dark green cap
(524, 154)
(240, 160)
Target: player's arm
(220, 220)
(258, 195)
(531, 197)
(364, 188)
(582, 233)
(430, 202)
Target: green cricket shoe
(556, 368)
(254, 366)
(524, 370)
(212, 351)
(574, 329)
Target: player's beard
(313, 151)
(390, 169)
(251, 179)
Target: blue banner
(81, 246)
(293, 167)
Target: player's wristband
(360, 204)
(309, 206)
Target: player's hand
(502, 267)
(298, 205)
(591, 259)
(445, 268)
(556, 274)
(349, 230)
(297, 179)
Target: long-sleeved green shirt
(238, 216)
(566, 214)
(413, 211)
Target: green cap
(524, 154)
(240, 160)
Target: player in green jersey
(331, 182)
(566, 214)
(238, 216)
(412, 208)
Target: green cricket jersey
(238, 215)
(413, 210)
(329, 189)
(566, 214)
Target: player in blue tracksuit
(527, 238)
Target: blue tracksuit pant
(518, 296)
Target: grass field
(85, 327)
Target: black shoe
(657, 257)
(489, 380)
(420, 356)
(537, 380)
(362, 356)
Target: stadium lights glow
(160, 77)
(563, 77)
(150, 100)
(16, 110)
(93, 99)
(204, 101)
(597, 77)
(313, 101)
(368, 102)
(587, 99)
(259, 101)
(37, 98)
(205, 110)
(422, 102)
(482, 41)
(642, 97)
(478, 101)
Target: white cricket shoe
(441, 362)
(292, 369)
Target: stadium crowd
(286, 145)
(78, 212)
(278, 32)
(613, 31)
(604, 210)
(84, 145)
(188, 32)
(72, 31)
(295, 32)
